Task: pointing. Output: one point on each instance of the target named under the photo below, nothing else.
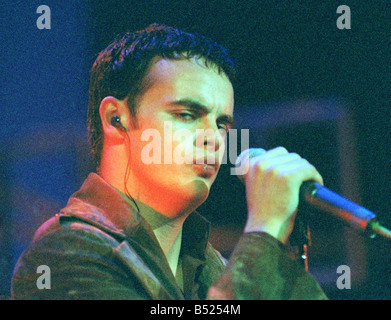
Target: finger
(243, 160)
(305, 173)
(247, 154)
(255, 152)
(275, 152)
(268, 162)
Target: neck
(168, 231)
(170, 239)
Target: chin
(196, 193)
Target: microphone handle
(317, 196)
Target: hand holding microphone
(273, 179)
(275, 183)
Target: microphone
(316, 196)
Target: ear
(108, 109)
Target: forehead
(189, 78)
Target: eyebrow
(195, 105)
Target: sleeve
(77, 264)
(261, 268)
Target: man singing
(131, 231)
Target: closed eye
(185, 116)
(225, 122)
(193, 110)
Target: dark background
(293, 61)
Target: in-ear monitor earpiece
(116, 122)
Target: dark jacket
(99, 247)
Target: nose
(210, 137)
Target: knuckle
(273, 172)
(288, 177)
(262, 165)
(295, 155)
(282, 149)
(259, 167)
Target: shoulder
(74, 252)
(61, 226)
(62, 240)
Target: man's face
(180, 113)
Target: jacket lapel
(137, 266)
(99, 204)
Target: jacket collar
(101, 205)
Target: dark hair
(119, 69)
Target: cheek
(182, 144)
(159, 147)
